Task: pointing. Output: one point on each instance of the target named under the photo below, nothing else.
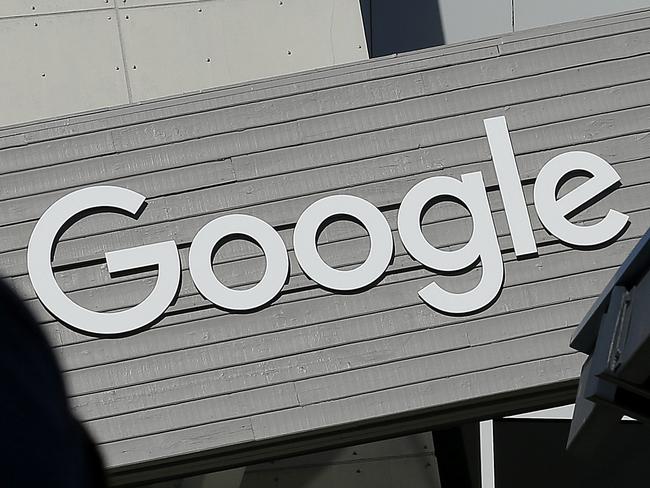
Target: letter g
(41, 251)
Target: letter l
(514, 203)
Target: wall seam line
(127, 79)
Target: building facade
(205, 387)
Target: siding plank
(435, 364)
(499, 381)
(429, 367)
(488, 328)
(193, 440)
(200, 412)
(397, 173)
(212, 356)
(420, 109)
(445, 391)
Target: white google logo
(469, 190)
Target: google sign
(470, 190)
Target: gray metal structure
(203, 388)
(615, 334)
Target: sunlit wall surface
(66, 56)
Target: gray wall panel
(116, 52)
(167, 49)
(419, 395)
(463, 20)
(403, 461)
(219, 355)
(329, 179)
(20, 8)
(105, 404)
(531, 13)
(313, 362)
(69, 62)
(496, 381)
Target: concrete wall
(404, 461)
(316, 369)
(69, 56)
(66, 56)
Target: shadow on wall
(397, 27)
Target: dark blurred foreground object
(615, 379)
(43, 445)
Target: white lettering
(40, 252)
(483, 244)
(306, 233)
(514, 203)
(553, 213)
(469, 190)
(277, 262)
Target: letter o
(305, 245)
(277, 262)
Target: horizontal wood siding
(314, 363)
